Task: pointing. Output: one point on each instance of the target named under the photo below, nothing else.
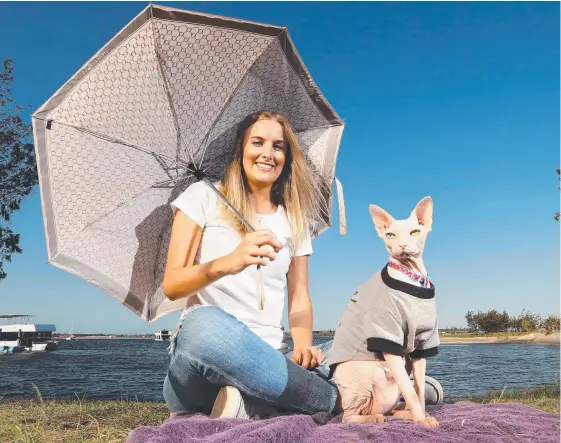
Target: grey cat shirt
(386, 315)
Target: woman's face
(264, 152)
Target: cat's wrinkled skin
(367, 390)
(370, 390)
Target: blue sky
(459, 101)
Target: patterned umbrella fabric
(127, 133)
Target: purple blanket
(460, 422)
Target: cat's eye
(390, 235)
(415, 232)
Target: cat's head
(404, 239)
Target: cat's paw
(428, 421)
(373, 418)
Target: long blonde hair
(295, 188)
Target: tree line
(495, 321)
(18, 171)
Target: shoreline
(534, 337)
(553, 338)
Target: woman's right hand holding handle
(256, 248)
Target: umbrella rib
(123, 203)
(173, 180)
(274, 39)
(110, 139)
(165, 167)
(167, 90)
(204, 142)
(315, 104)
(328, 126)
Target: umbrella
(152, 111)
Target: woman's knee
(204, 329)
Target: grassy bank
(497, 334)
(552, 338)
(545, 398)
(75, 420)
(488, 334)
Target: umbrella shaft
(236, 213)
(227, 203)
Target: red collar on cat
(422, 279)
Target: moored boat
(162, 335)
(19, 331)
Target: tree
(551, 323)
(491, 321)
(558, 215)
(18, 172)
(515, 324)
(470, 320)
(525, 322)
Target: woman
(225, 355)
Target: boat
(11, 349)
(162, 335)
(71, 335)
(19, 332)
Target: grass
(110, 421)
(545, 398)
(75, 420)
(490, 334)
(497, 334)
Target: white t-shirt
(237, 294)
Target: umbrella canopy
(162, 100)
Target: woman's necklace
(420, 278)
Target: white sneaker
(230, 403)
(434, 394)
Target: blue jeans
(213, 349)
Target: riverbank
(79, 420)
(553, 338)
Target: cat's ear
(423, 212)
(381, 218)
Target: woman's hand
(256, 248)
(308, 357)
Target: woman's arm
(300, 313)
(182, 278)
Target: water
(136, 369)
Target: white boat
(19, 331)
(162, 335)
(71, 335)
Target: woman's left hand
(307, 357)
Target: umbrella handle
(260, 289)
